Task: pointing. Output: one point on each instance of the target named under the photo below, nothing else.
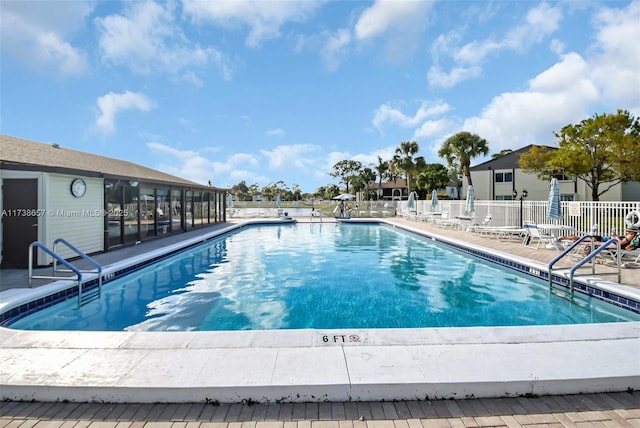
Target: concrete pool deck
(317, 366)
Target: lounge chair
(477, 228)
(534, 234)
(444, 220)
(630, 256)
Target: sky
(268, 91)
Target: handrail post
(30, 263)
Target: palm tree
(403, 159)
(382, 169)
(459, 149)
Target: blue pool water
(321, 276)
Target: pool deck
(283, 370)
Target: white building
(94, 202)
(501, 178)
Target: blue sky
(263, 91)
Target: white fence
(580, 215)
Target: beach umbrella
(279, 201)
(434, 199)
(470, 200)
(411, 201)
(553, 205)
(230, 201)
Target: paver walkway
(621, 409)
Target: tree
(403, 159)
(241, 191)
(459, 149)
(434, 177)
(501, 153)
(603, 151)
(367, 176)
(382, 169)
(346, 169)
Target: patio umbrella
(279, 201)
(434, 199)
(553, 206)
(411, 201)
(470, 200)
(230, 201)
(344, 197)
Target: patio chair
(534, 234)
(630, 256)
(444, 220)
(478, 228)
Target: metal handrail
(77, 251)
(567, 251)
(72, 268)
(594, 252)
(85, 257)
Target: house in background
(94, 202)
(397, 190)
(500, 179)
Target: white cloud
(277, 132)
(334, 49)
(264, 18)
(440, 79)
(558, 96)
(387, 114)
(192, 165)
(38, 33)
(146, 39)
(299, 156)
(400, 22)
(616, 65)
(433, 128)
(391, 14)
(111, 104)
(540, 21)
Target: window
(504, 177)
(561, 176)
(504, 198)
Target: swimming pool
(321, 276)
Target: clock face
(78, 187)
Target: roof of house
(508, 161)
(18, 152)
(399, 183)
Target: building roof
(16, 153)
(508, 161)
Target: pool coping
(316, 365)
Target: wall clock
(78, 187)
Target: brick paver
(616, 409)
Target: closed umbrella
(470, 200)
(554, 211)
(411, 201)
(434, 199)
(279, 201)
(230, 201)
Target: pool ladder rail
(85, 295)
(588, 258)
